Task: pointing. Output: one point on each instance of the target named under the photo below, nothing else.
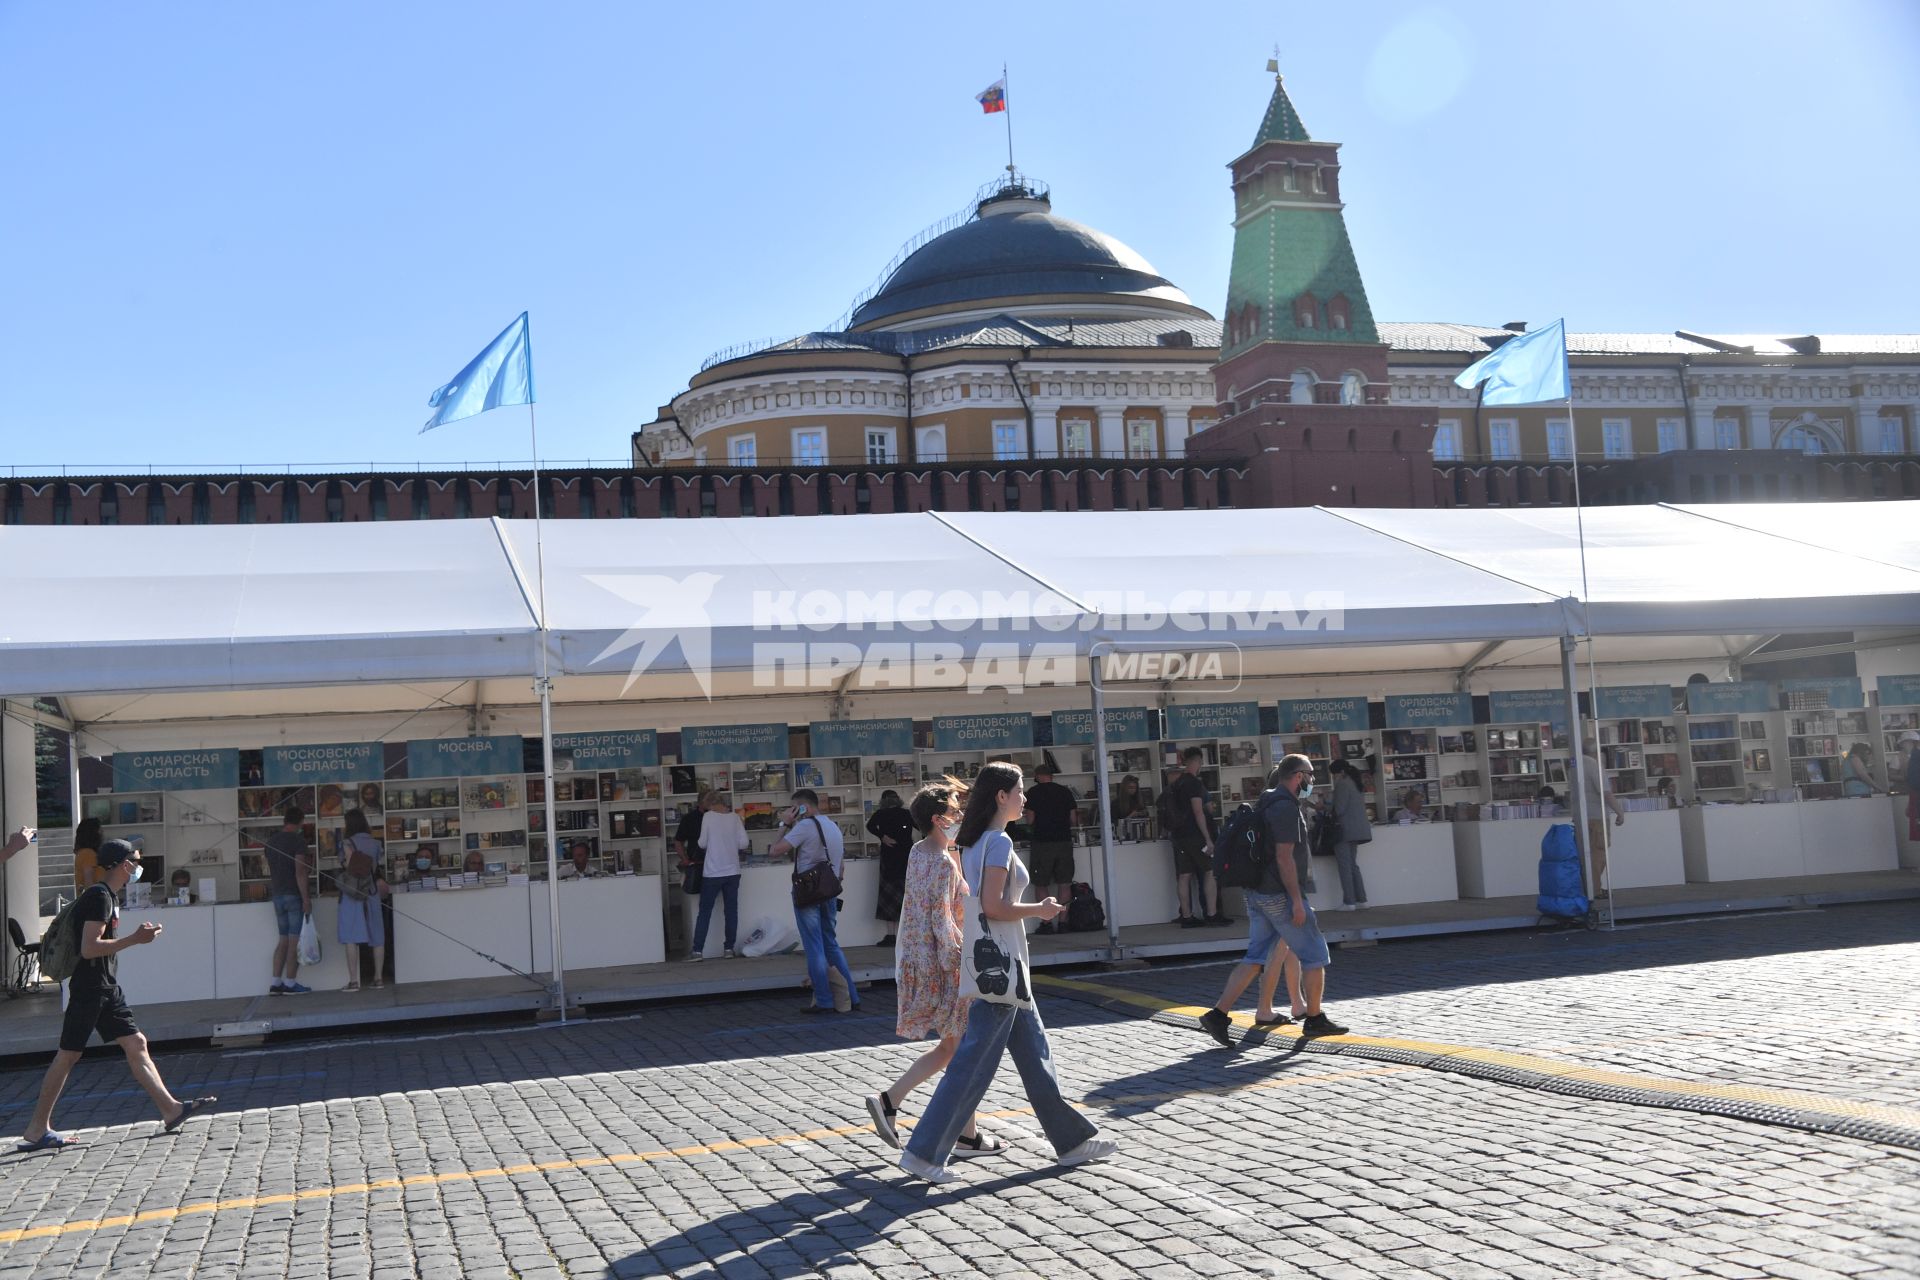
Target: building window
(1006, 442)
(930, 444)
(742, 450)
(1559, 440)
(1803, 440)
(1319, 181)
(1289, 179)
(1892, 435)
(1303, 381)
(1503, 438)
(1076, 439)
(1140, 439)
(810, 447)
(1671, 434)
(1306, 311)
(1446, 442)
(1616, 438)
(1353, 389)
(1726, 433)
(880, 446)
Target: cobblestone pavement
(651, 1134)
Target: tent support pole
(1101, 788)
(545, 685)
(1578, 745)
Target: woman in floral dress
(927, 961)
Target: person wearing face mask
(1278, 911)
(95, 1002)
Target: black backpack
(1327, 833)
(1085, 914)
(1243, 852)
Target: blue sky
(262, 234)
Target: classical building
(1014, 358)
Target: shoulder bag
(818, 883)
(993, 953)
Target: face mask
(1306, 788)
(425, 864)
(136, 874)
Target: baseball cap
(1910, 736)
(112, 854)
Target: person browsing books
(1193, 840)
(289, 877)
(723, 838)
(892, 826)
(813, 841)
(1049, 813)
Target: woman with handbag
(994, 970)
(362, 922)
(818, 854)
(926, 970)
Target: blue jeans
(711, 887)
(823, 950)
(994, 1029)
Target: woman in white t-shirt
(724, 838)
(997, 879)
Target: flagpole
(1604, 879)
(544, 686)
(1006, 96)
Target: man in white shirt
(723, 838)
(815, 842)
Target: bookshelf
(260, 809)
(1233, 769)
(758, 790)
(1520, 759)
(1817, 745)
(1638, 755)
(850, 788)
(1895, 722)
(617, 811)
(1714, 754)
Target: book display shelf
(1895, 723)
(850, 788)
(1323, 749)
(1817, 745)
(1638, 755)
(1233, 769)
(758, 790)
(1441, 765)
(1132, 759)
(617, 811)
(1521, 759)
(443, 818)
(260, 816)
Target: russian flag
(994, 97)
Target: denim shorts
(286, 909)
(1270, 917)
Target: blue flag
(500, 375)
(1529, 369)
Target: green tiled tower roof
(1282, 122)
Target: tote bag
(993, 953)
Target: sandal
(351, 986)
(188, 1109)
(48, 1141)
(379, 984)
(980, 1144)
(881, 1108)
(1277, 1020)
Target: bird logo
(673, 609)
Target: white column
(1867, 425)
(1703, 425)
(1177, 432)
(18, 809)
(1046, 433)
(1759, 434)
(1113, 431)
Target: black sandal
(881, 1108)
(187, 1110)
(981, 1144)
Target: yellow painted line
(724, 1146)
(1813, 1103)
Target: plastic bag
(770, 938)
(309, 942)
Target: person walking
(926, 970)
(815, 842)
(723, 838)
(1004, 1018)
(1278, 911)
(290, 879)
(1350, 812)
(95, 1003)
(892, 826)
(362, 923)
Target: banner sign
(1323, 715)
(1627, 701)
(1528, 706)
(466, 757)
(323, 762)
(1729, 695)
(1428, 710)
(215, 769)
(725, 743)
(621, 749)
(1214, 720)
(861, 737)
(1900, 691)
(983, 733)
(1124, 724)
(1843, 692)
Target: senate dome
(1015, 256)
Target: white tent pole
(1100, 789)
(1569, 680)
(543, 685)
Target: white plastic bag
(309, 942)
(770, 938)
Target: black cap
(112, 854)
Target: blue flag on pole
(1529, 369)
(500, 375)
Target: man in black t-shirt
(94, 1002)
(1050, 809)
(686, 837)
(1193, 840)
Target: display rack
(1323, 748)
(1233, 769)
(1714, 752)
(1817, 745)
(1638, 755)
(1521, 759)
(260, 811)
(1895, 721)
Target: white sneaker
(1089, 1151)
(694, 957)
(934, 1173)
(729, 954)
(1345, 906)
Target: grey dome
(1016, 248)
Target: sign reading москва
(466, 757)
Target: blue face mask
(137, 870)
(1306, 788)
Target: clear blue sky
(263, 233)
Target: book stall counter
(766, 895)
(1851, 834)
(180, 964)
(1500, 859)
(1647, 851)
(1909, 849)
(495, 919)
(1402, 864)
(1143, 891)
(605, 921)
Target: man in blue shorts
(1278, 910)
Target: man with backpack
(1277, 908)
(86, 952)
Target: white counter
(766, 893)
(1500, 859)
(607, 921)
(1402, 864)
(219, 952)
(1145, 890)
(497, 920)
(1909, 849)
(1646, 851)
(1849, 834)
(1741, 842)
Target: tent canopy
(675, 608)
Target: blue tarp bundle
(1562, 892)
